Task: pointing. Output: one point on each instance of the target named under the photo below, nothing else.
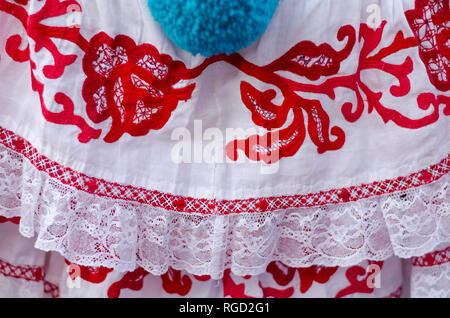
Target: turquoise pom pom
(212, 27)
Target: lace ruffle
(96, 231)
(431, 282)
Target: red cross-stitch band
(178, 203)
(28, 273)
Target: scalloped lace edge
(96, 231)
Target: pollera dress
(313, 163)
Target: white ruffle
(96, 231)
(431, 282)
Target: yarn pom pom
(211, 27)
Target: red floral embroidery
(304, 59)
(95, 275)
(173, 282)
(286, 142)
(435, 258)
(269, 292)
(357, 285)
(319, 274)
(42, 35)
(231, 289)
(283, 275)
(430, 23)
(312, 61)
(139, 88)
(132, 84)
(203, 278)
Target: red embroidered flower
(283, 275)
(429, 21)
(319, 274)
(174, 282)
(15, 220)
(133, 84)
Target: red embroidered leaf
(15, 220)
(319, 274)
(131, 280)
(264, 112)
(275, 145)
(230, 288)
(276, 293)
(175, 283)
(443, 40)
(281, 273)
(312, 61)
(203, 278)
(399, 43)
(371, 40)
(272, 146)
(318, 127)
(42, 36)
(357, 285)
(95, 275)
(67, 115)
(22, 2)
(13, 49)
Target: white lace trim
(97, 231)
(431, 282)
